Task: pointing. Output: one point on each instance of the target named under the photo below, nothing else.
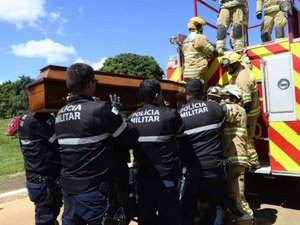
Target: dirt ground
(274, 202)
(12, 182)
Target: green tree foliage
(12, 101)
(132, 64)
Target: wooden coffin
(48, 92)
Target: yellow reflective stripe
(239, 131)
(176, 74)
(241, 160)
(287, 133)
(254, 89)
(192, 54)
(254, 112)
(208, 48)
(286, 161)
(191, 71)
(230, 117)
(247, 97)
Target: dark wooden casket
(48, 92)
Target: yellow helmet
(196, 23)
(230, 57)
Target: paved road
(275, 202)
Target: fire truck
(276, 65)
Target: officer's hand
(116, 103)
(259, 15)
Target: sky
(37, 33)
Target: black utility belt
(43, 179)
(75, 186)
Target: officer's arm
(184, 143)
(119, 126)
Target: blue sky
(36, 33)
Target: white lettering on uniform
(146, 116)
(68, 113)
(193, 109)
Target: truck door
(281, 109)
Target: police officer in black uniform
(87, 132)
(157, 157)
(42, 164)
(203, 121)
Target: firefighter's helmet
(196, 23)
(232, 91)
(214, 91)
(230, 57)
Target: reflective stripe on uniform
(162, 138)
(120, 129)
(83, 140)
(28, 142)
(203, 128)
(247, 97)
(239, 131)
(254, 112)
(192, 54)
(240, 160)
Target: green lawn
(11, 160)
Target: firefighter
(203, 124)
(42, 164)
(245, 80)
(233, 13)
(156, 157)
(213, 94)
(235, 148)
(196, 49)
(87, 131)
(273, 17)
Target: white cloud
(22, 12)
(52, 51)
(95, 65)
(56, 17)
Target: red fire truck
(276, 65)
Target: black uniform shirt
(39, 145)
(156, 152)
(86, 130)
(202, 121)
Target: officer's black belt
(73, 185)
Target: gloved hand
(116, 103)
(259, 15)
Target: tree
(132, 64)
(12, 97)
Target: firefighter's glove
(259, 15)
(116, 103)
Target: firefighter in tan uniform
(235, 148)
(245, 80)
(196, 49)
(273, 17)
(233, 13)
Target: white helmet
(232, 90)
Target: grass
(11, 159)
